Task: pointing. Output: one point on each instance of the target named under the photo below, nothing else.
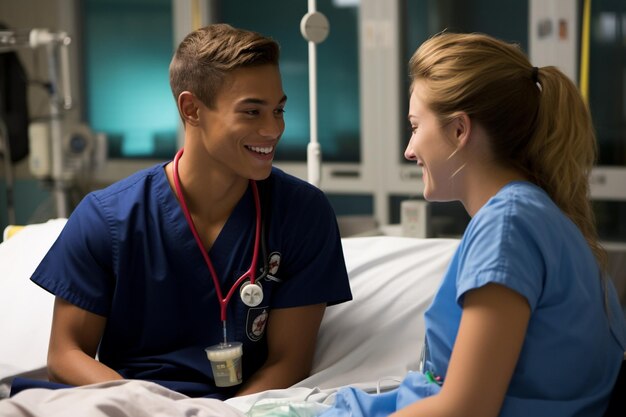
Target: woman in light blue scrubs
(526, 321)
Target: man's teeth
(264, 150)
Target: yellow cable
(11, 230)
(584, 52)
(196, 18)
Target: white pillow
(379, 334)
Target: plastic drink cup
(226, 363)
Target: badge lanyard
(251, 294)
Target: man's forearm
(273, 376)
(77, 368)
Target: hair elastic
(535, 75)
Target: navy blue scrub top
(128, 254)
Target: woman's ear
(188, 108)
(462, 129)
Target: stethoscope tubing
(249, 274)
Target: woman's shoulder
(522, 193)
(521, 199)
(523, 210)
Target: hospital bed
(370, 342)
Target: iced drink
(226, 363)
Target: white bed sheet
(25, 309)
(369, 342)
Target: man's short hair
(207, 55)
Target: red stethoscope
(251, 292)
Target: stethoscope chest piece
(251, 294)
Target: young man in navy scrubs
(135, 270)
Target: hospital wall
(350, 171)
(367, 186)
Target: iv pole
(314, 28)
(56, 44)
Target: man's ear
(188, 108)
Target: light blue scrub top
(573, 348)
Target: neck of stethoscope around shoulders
(250, 273)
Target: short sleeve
(78, 266)
(500, 246)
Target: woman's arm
(490, 338)
(291, 338)
(74, 341)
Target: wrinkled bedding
(370, 342)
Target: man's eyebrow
(259, 101)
